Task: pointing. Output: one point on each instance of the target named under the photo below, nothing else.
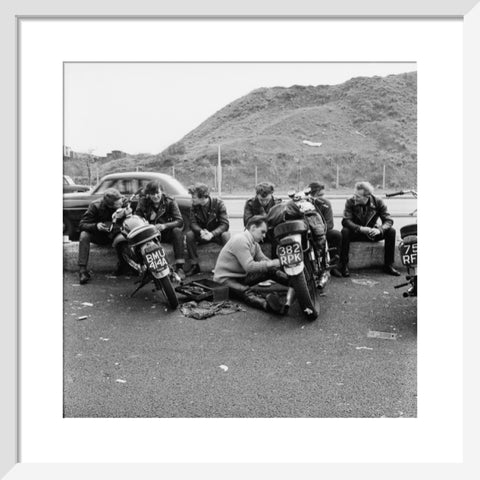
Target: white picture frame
(469, 10)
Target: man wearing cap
(241, 264)
(96, 227)
(208, 223)
(324, 207)
(163, 212)
(366, 219)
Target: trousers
(193, 239)
(98, 238)
(349, 235)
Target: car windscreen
(128, 186)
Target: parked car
(127, 183)
(70, 186)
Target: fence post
(383, 183)
(219, 171)
(338, 176)
(256, 176)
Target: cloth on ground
(203, 310)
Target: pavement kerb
(104, 259)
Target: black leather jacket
(356, 215)
(254, 207)
(167, 212)
(212, 217)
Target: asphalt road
(137, 358)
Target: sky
(145, 107)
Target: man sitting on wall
(261, 203)
(208, 223)
(324, 207)
(366, 219)
(96, 226)
(242, 264)
(163, 212)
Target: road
(136, 358)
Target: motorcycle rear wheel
(306, 291)
(166, 285)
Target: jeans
(240, 287)
(351, 236)
(99, 238)
(334, 240)
(193, 239)
(175, 237)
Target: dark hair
(316, 187)
(153, 187)
(111, 195)
(264, 188)
(199, 189)
(256, 220)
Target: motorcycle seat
(408, 230)
(289, 227)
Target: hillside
(362, 125)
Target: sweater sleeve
(244, 257)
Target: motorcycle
(145, 253)
(408, 249)
(299, 231)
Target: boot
(274, 304)
(178, 268)
(84, 276)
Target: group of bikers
(241, 262)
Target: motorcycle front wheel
(306, 291)
(166, 285)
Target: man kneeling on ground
(242, 264)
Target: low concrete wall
(104, 259)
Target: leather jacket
(254, 207)
(166, 213)
(356, 215)
(212, 217)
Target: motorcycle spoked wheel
(166, 286)
(306, 291)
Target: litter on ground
(120, 380)
(223, 367)
(364, 281)
(382, 335)
(87, 304)
(84, 317)
(364, 348)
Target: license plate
(290, 255)
(408, 254)
(156, 260)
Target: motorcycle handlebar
(395, 194)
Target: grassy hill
(362, 125)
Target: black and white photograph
(239, 240)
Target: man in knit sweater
(242, 264)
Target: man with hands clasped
(366, 218)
